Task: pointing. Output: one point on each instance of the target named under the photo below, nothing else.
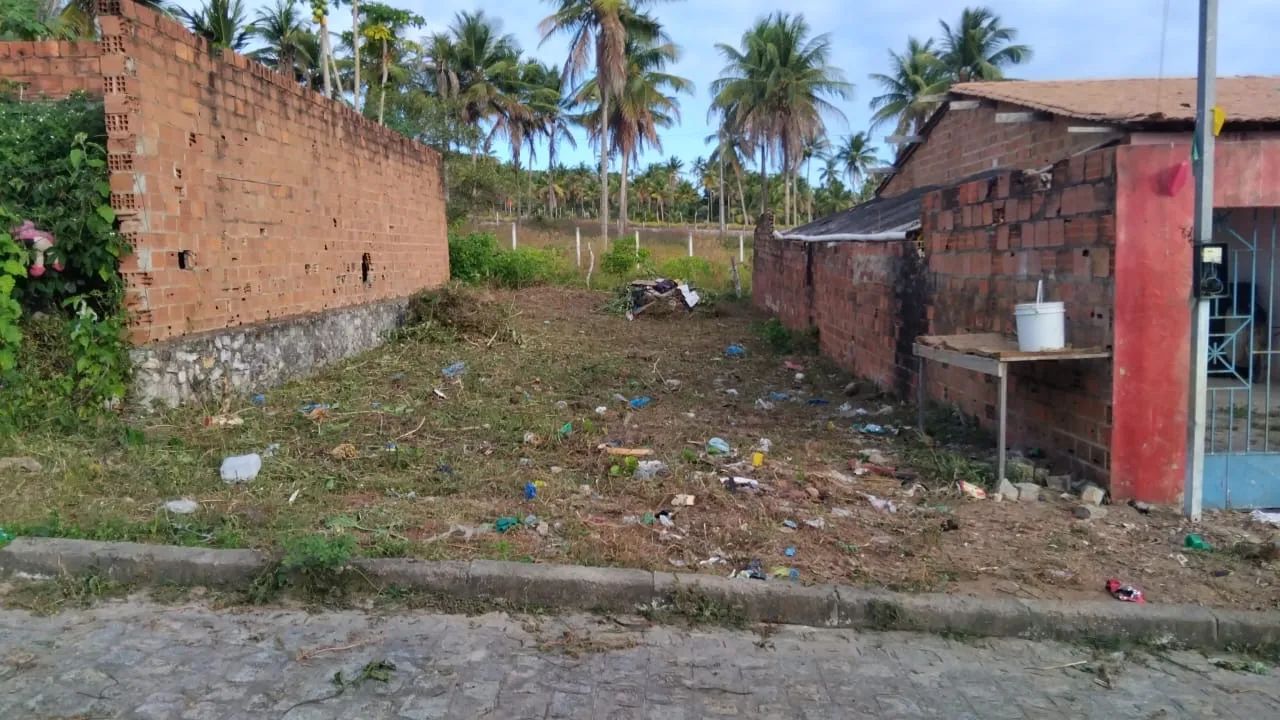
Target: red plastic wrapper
(1125, 593)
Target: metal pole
(1004, 415)
(1202, 230)
(577, 243)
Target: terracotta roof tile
(1250, 99)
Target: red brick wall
(966, 142)
(988, 243)
(272, 196)
(50, 68)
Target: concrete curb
(622, 590)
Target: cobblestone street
(139, 660)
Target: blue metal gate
(1242, 435)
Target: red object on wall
(1175, 179)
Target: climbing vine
(61, 295)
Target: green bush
(471, 255)
(523, 267)
(696, 270)
(625, 261)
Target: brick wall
(988, 243)
(966, 142)
(248, 198)
(50, 68)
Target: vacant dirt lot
(412, 462)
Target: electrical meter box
(1210, 279)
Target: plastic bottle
(240, 468)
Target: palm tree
(646, 103)
(286, 43)
(552, 118)
(855, 156)
(604, 25)
(222, 22)
(980, 46)
(774, 89)
(914, 75)
(384, 25)
(816, 146)
(478, 66)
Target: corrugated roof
(1251, 99)
(899, 213)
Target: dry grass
(429, 475)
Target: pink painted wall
(1152, 303)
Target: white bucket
(1041, 326)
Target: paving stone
(495, 665)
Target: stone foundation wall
(254, 358)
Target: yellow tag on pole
(1219, 119)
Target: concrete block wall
(988, 243)
(50, 68)
(966, 142)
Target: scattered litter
(223, 421)
(790, 524)
(1125, 593)
(258, 400)
(718, 446)
(757, 459)
(672, 384)
(25, 464)
(799, 378)
(294, 495)
(792, 365)
(713, 560)
(566, 430)
(544, 529)
(1182, 559)
(676, 562)
(531, 520)
(309, 408)
(972, 490)
(950, 524)
(816, 523)
(647, 519)
(740, 483)
(390, 447)
(562, 405)
(1270, 516)
(841, 512)
(1221, 573)
(875, 457)
(530, 491)
(601, 410)
(531, 438)
(731, 392)
(5, 537)
(625, 452)
(691, 296)
(763, 404)
(1250, 666)
(440, 393)
(640, 403)
(270, 450)
(664, 518)
(1093, 495)
(778, 396)
(916, 488)
(1195, 542)
(649, 469)
(240, 468)
(455, 370)
(344, 451)
(876, 429)
(765, 445)
(793, 574)
(881, 504)
(753, 571)
(790, 552)
(735, 351)
(619, 397)
(182, 507)
(819, 401)
(682, 500)
(779, 571)
(506, 523)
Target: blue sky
(1071, 39)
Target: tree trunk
(622, 197)
(324, 55)
(604, 167)
(382, 92)
(764, 177)
(551, 178)
(355, 47)
(284, 64)
(742, 196)
(722, 228)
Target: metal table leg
(920, 393)
(1003, 416)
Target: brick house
(1084, 185)
(274, 230)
